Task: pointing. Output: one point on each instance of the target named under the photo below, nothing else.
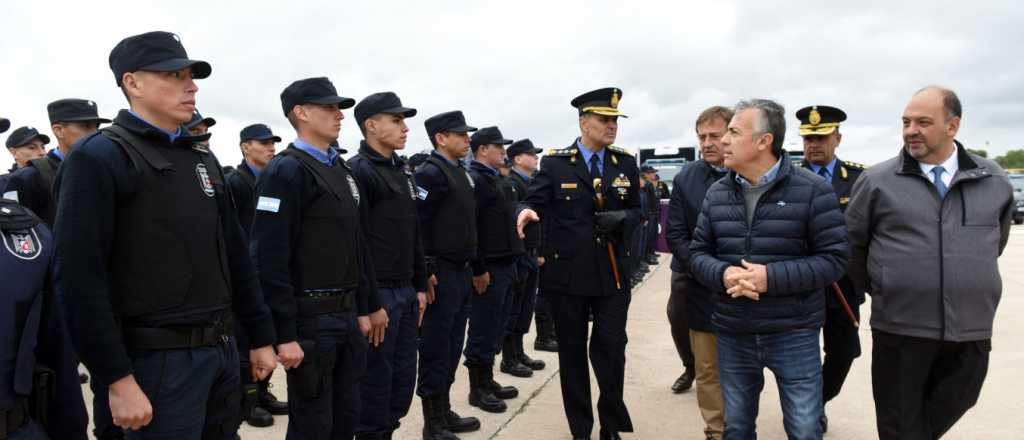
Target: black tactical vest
(329, 233)
(169, 256)
(497, 222)
(392, 226)
(454, 228)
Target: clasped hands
(750, 281)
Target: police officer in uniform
(199, 125)
(70, 120)
(256, 141)
(514, 360)
(25, 144)
(588, 195)
(393, 235)
(819, 127)
(494, 269)
(315, 266)
(258, 145)
(152, 261)
(446, 207)
(40, 397)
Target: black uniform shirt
(242, 184)
(368, 167)
(276, 230)
(32, 189)
(91, 181)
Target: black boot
(454, 421)
(433, 420)
(269, 402)
(480, 394)
(499, 391)
(510, 361)
(254, 415)
(546, 340)
(533, 364)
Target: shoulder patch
(619, 150)
(558, 152)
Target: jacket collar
(909, 165)
(373, 156)
(478, 166)
(145, 130)
(785, 168)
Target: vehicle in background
(1017, 181)
(667, 160)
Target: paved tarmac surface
(652, 366)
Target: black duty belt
(13, 419)
(171, 338)
(320, 302)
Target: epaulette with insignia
(619, 150)
(855, 165)
(558, 152)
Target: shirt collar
(488, 167)
(327, 158)
(452, 162)
(951, 165)
(767, 178)
(171, 136)
(57, 154)
(525, 176)
(587, 154)
(255, 172)
(831, 167)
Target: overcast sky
(517, 64)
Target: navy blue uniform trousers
(390, 378)
(323, 391)
(444, 331)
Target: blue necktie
(823, 172)
(595, 169)
(939, 184)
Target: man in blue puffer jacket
(769, 249)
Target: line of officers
(181, 284)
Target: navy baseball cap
(259, 132)
(452, 121)
(488, 135)
(155, 52)
(648, 169)
(4, 124)
(523, 146)
(23, 135)
(312, 91)
(74, 110)
(383, 102)
(197, 118)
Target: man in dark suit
(819, 127)
(588, 195)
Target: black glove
(607, 222)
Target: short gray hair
(770, 119)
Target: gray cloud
(517, 65)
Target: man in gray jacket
(926, 228)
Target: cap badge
(815, 117)
(92, 104)
(176, 37)
(615, 98)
